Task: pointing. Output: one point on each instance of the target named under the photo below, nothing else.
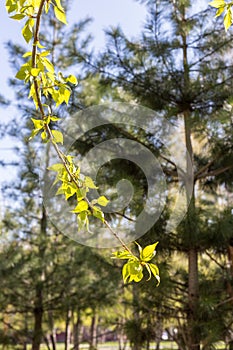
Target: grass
(164, 345)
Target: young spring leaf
(217, 3)
(228, 19)
(123, 255)
(82, 206)
(58, 137)
(38, 123)
(90, 183)
(60, 14)
(155, 271)
(103, 201)
(148, 252)
(72, 79)
(132, 271)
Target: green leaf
(18, 16)
(139, 247)
(58, 137)
(27, 32)
(155, 272)
(27, 54)
(98, 214)
(32, 94)
(39, 45)
(58, 3)
(62, 95)
(90, 183)
(33, 134)
(56, 167)
(149, 271)
(82, 206)
(217, 3)
(38, 123)
(36, 3)
(82, 219)
(43, 135)
(60, 191)
(123, 255)
(70, 191)
(228, 19)
(72, 79)
(132, 271)
(60, 14)
(66, 95)
(219, 11)
(103, 201)
(148, 252)
(21, 74)
(35, 72)
(54, 119)
(44, 53)
(48, 65)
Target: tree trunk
(136, 343)
(194, 342)
(67, 330)
(77, 328)
(38, 309)
(38, 316)
(53, 337)
(93, 332)
(192, 319)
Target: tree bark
(193, 289)
(77, 328)
(93, 332)
(38, 316)
(67, 330)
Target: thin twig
(47, 128)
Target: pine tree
(180, 67)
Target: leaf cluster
(47, 85)
(133, 269)
(221, 7)
(78, 185)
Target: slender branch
(215, 172)
(47, 128)
(203, 169)
(213, 259)
(224, 302)
(34, 52)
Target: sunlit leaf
(103, 201)
(82, 206)
(60, 14)
(123, 255)
(217, 3)
(72, 79)
(219, 11)
(148, 252)
(56, 167)
(58, 137)
(35, 72)
(18, 16)
(155, 271)
(228, 19)
(90, 183)
(38, 123)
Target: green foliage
(133, 269)
(222, 6)
(47, 85)
(78, 185)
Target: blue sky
(128, 13)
